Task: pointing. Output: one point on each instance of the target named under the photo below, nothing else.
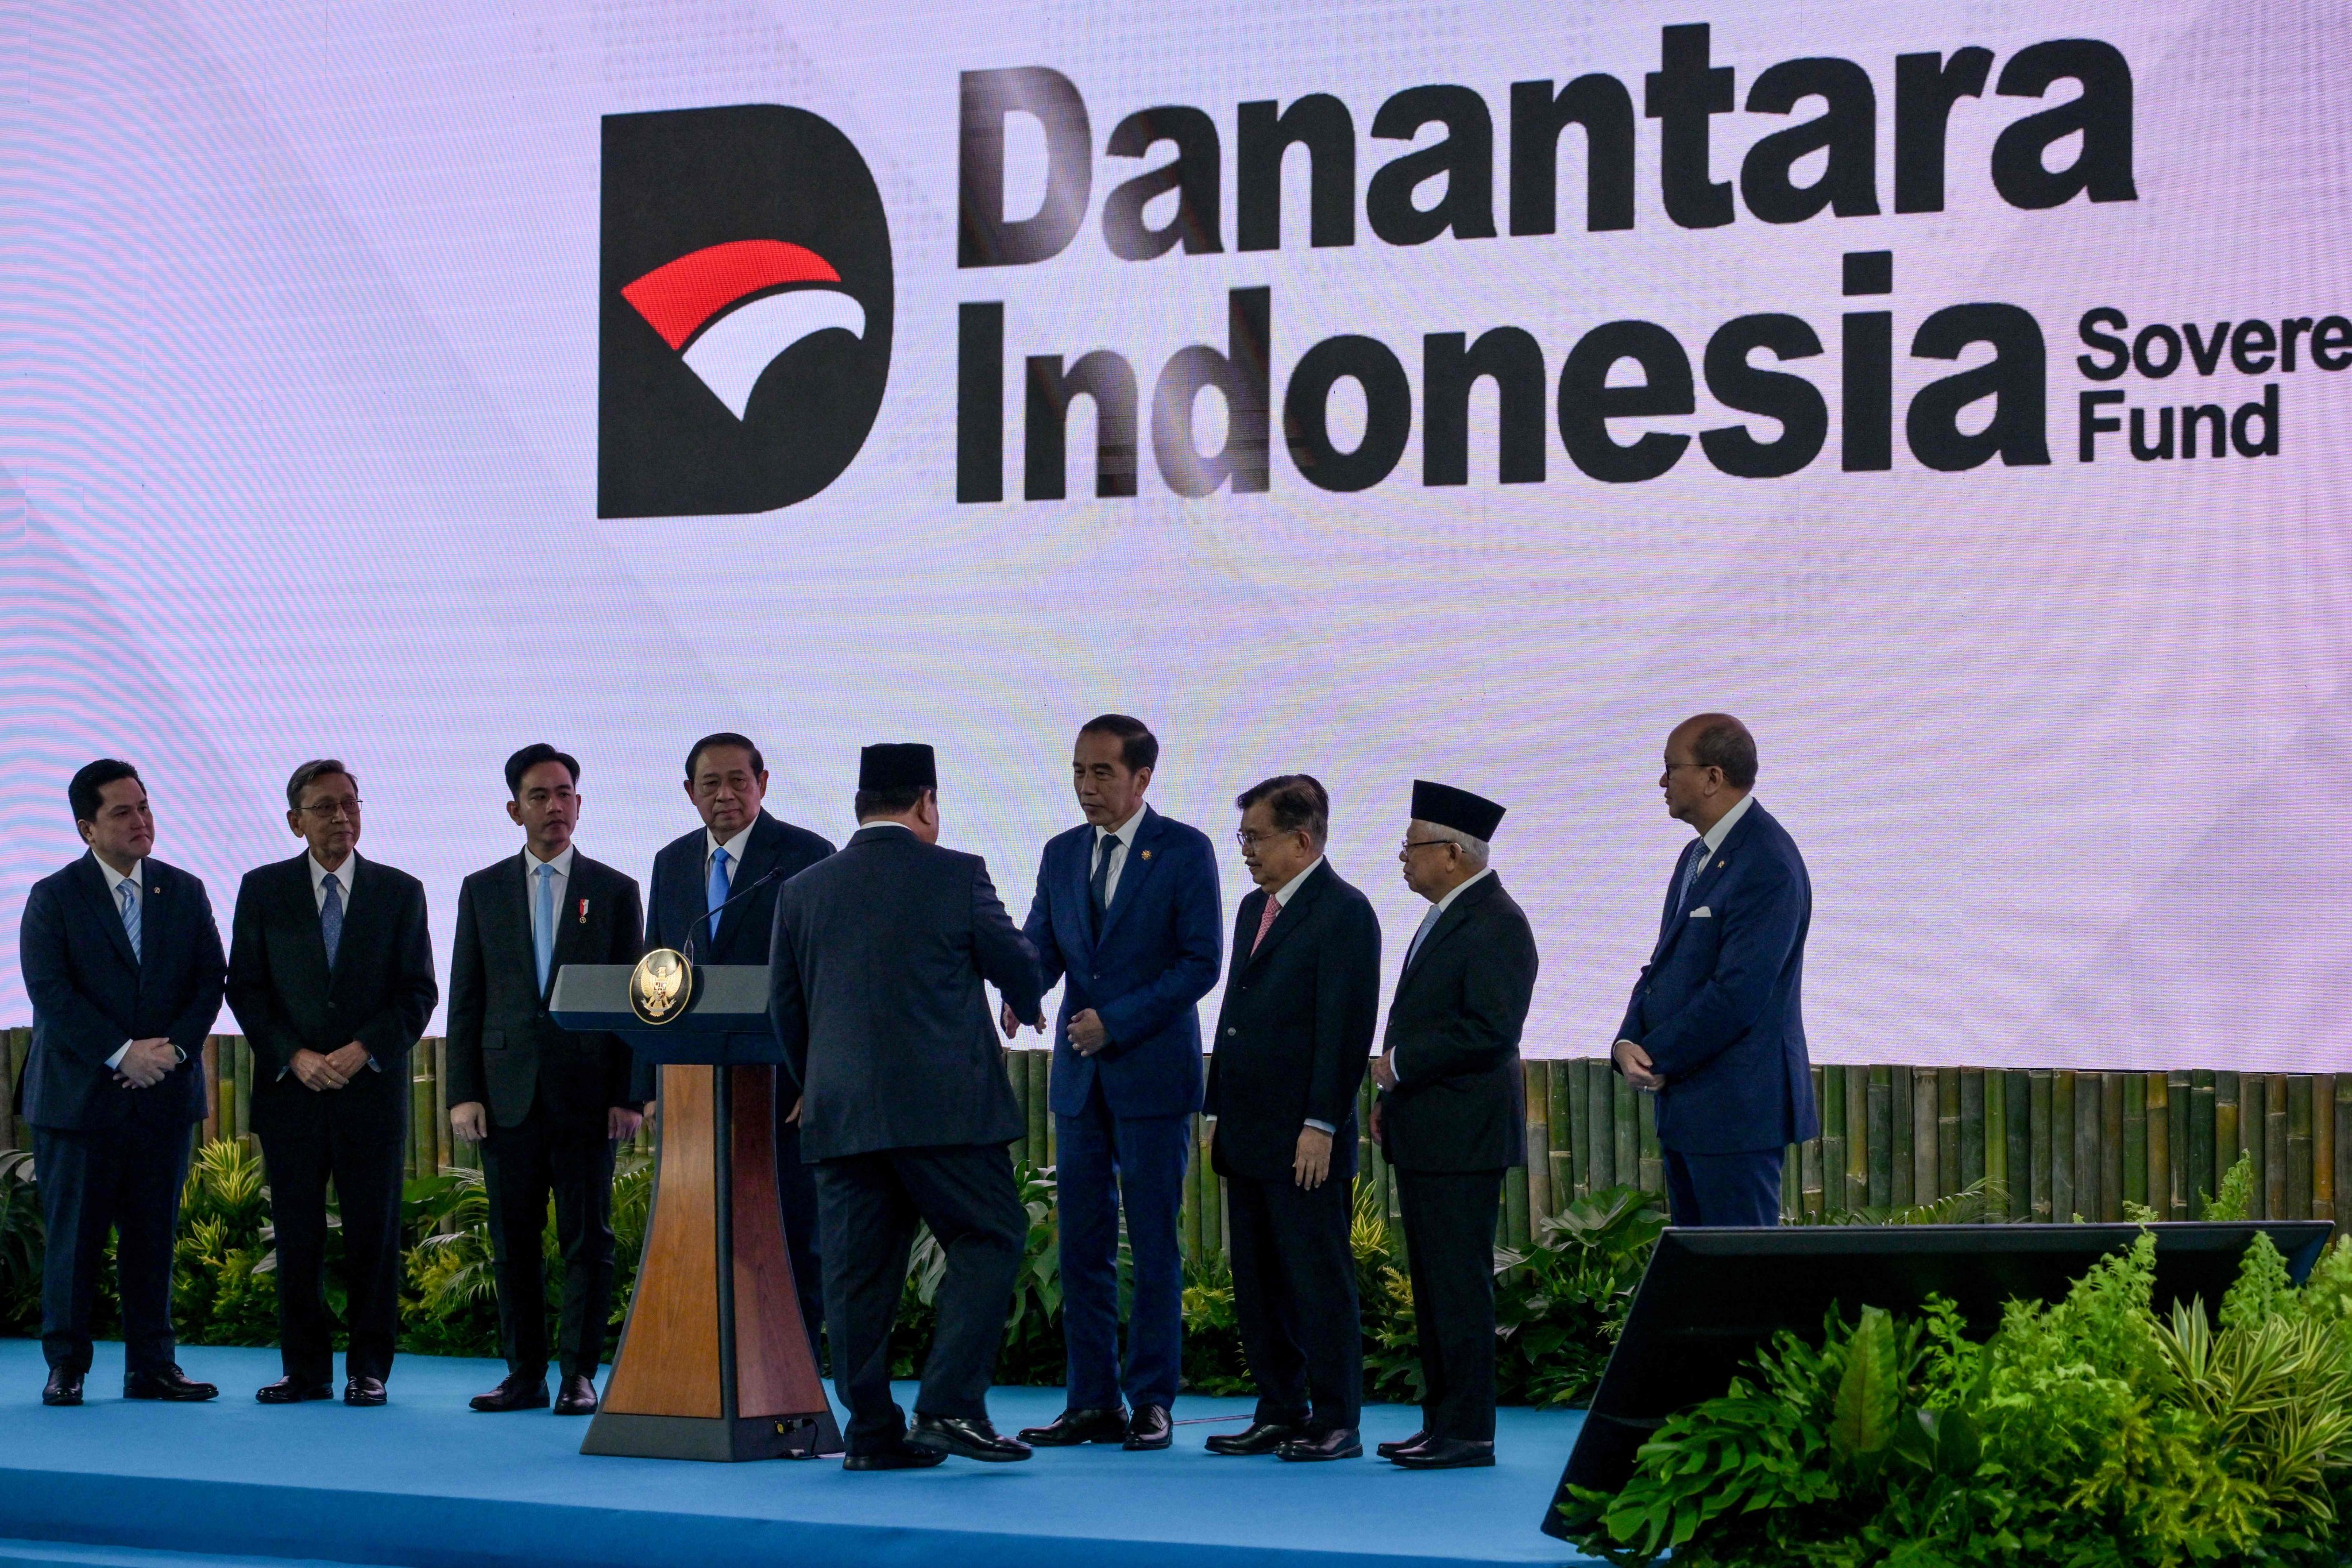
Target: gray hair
(1477, 849)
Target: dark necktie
(331, 916)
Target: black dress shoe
(1072, 1428)
(63, 1388)
(1262, 1438)
(900, 1456)
(970, 1436)
(1149, 1429)
(1391, 1450)
(1338, 1443)
(579, 1396)
(170, 1384)
(513, 1394)
(292, 1390)
(1446, 1454)
(364, 1391)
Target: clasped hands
(1087, 1035)
(1634, 1063)
(145, 1063)
(319, 1071)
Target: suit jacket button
(1231, 1033)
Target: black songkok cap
(1456, 809)
(896, 765)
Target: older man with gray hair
(1452, 1111)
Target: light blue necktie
(542, 924)
(129, 915)
(1690, 874)
(719, 883)
(331, 916)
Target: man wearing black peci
(1452, 1111)
(878, 993)
(331, 976)
(546, 1105)
(739, 844)
(1301, 999)
(122, 963)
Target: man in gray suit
(876, 991)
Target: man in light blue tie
(1716, 1027)
(547, 1106)
(740, 844)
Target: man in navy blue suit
(737, 843)
(1126, 912)
(1716, 1027)
(124, 967)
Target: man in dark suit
(875, 992)
(1126, 912)
(1301, 998)
(546, 1105)
(739, 845)
(1716, 1027)
(1453, 1111)
(122, 963)
(330, 975)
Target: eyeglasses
(328, 810)
(1249, 840)
(1430, 843)
(1672, 766)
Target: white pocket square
(1702, 913)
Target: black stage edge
(1712, 1298)
(723, 1441)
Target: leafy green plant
(2235, 1201)
(1975, 1203)
(2093, 1431)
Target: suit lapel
(1140, 858)
(1709, 876)
(1457, 914)
(362, 903)
(95, 881)
(519, 881)
(760, 853)
(571, 927)
(1293, 915)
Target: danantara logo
(746, 311)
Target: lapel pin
(583, 911)
(1147, 855)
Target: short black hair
(887, 802)
(1138, 748)
(310, 772)
(1723, 742)
(82, 793)
(1297, 801)
(530, 757)
(724, 738)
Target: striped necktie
(124, 891)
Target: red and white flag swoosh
(713, 306)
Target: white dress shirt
(1124, 836)
(343, 875)
(116, 881)
(735, 846)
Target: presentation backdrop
(1955, 392)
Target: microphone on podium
(738, 896)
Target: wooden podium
(714, 1361)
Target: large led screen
(1955, 392)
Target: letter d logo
(745, 311)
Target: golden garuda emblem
(661, 985)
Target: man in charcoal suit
(122, 963)
(1126, 911)
(740, 844)
(1716, 1027)
(1452, 1111)
(331, 976)
(1301, 999)
(876, 993)
(547, 1106)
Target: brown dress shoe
(578, 1398)
(513, 1394)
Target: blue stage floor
(427, 1483)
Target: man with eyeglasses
(1451, 1116)
(1302, 996)
(1716, 1027)
(122, 964)
(331, 976)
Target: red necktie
(1265, 922)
